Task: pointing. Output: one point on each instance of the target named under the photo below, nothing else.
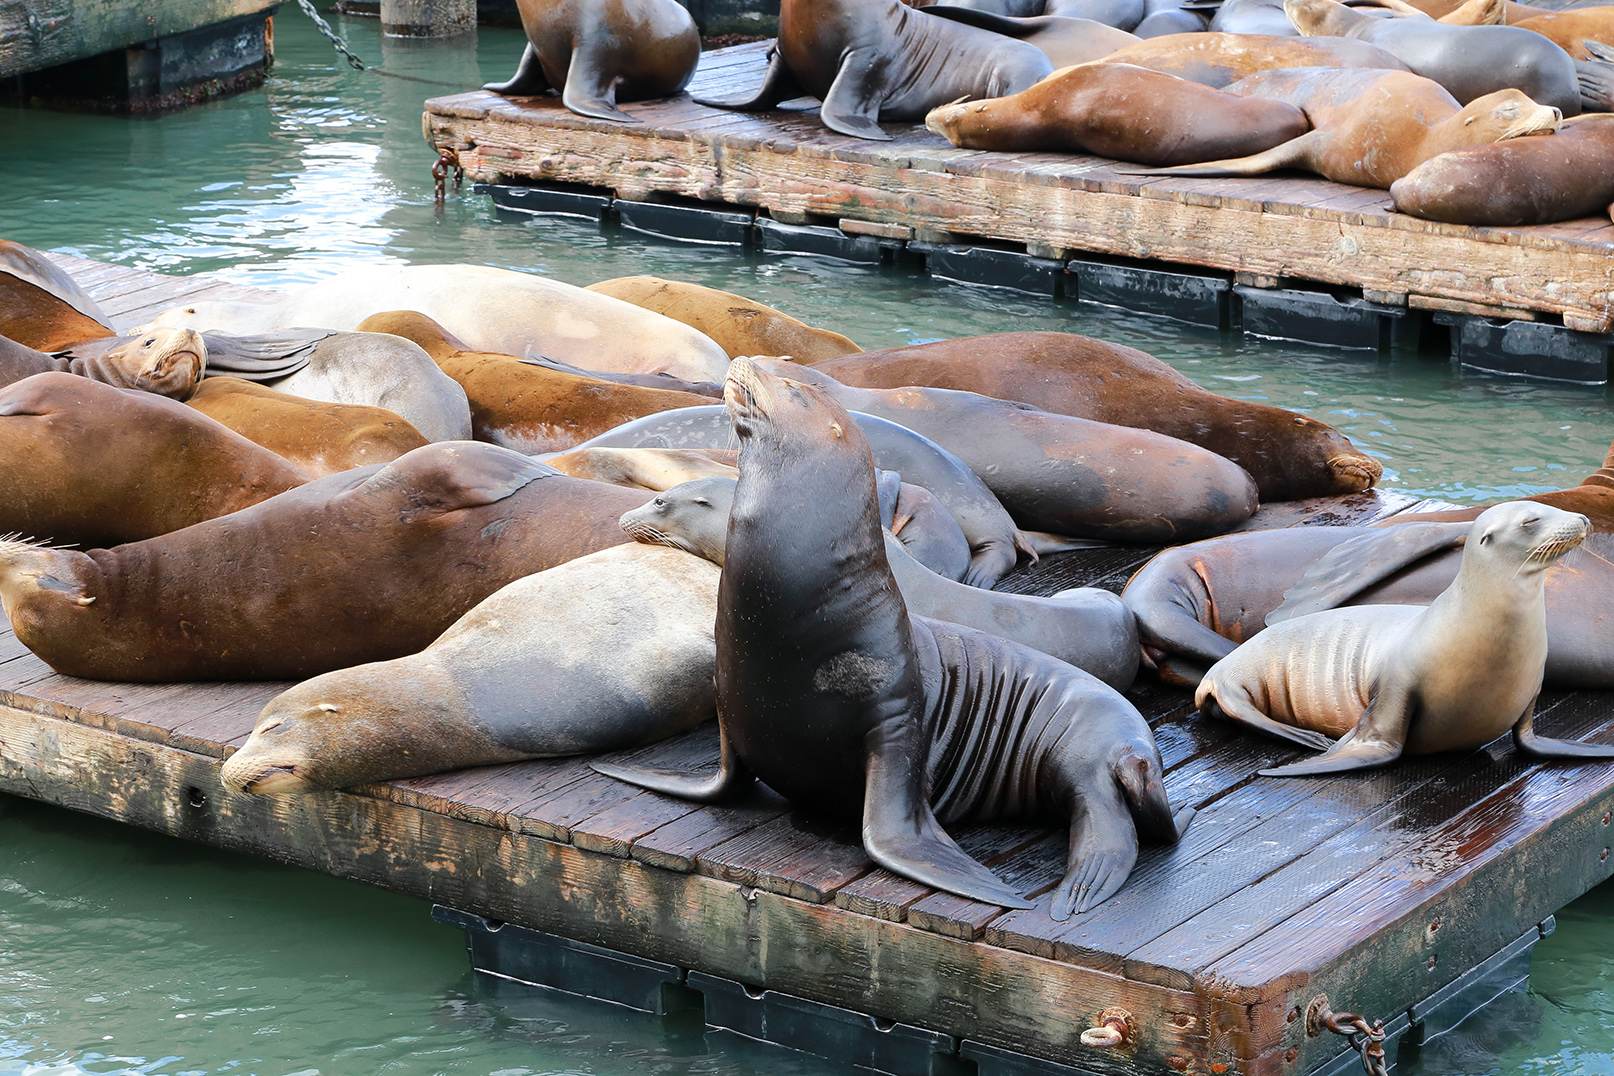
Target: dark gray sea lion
(596, 52)
(868, 59)
(1393, 679)
(608, 651)
(1064, 40)
(995, 541)
(832, 694)
(1091, 629)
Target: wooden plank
(44, 33)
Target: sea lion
(645, 468)
(868, 59)
(1220, 59)
(529, 407)
(1371, 128)
(1470, 61)
(829, 691)
(608, 651)
(167, 362)
(1264, 17)
(596, 52)
(1593, 498)
(1124, 14)
(1526, 181)
(365, 565)
(89, 464)
(1570, 30)
(321, 438)
(1064, 40)
(488, 309)
(1289, 455)
(1058, 473)
(1513, 12)
(41, 306)
(1393, 679)
(738, 325)
(994, 540)
(1098, 108)
(1091, 629)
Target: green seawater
(124, 952)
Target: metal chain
(1365, 1039)
(325, 28)
(447, 158)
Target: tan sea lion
(1570, 30)
(490, 309)
(1098, 108)
(530, 407)
(1514, 13)
(608, 651)
(1371, 128)
(596, 52)
(1289, 455)
(1220, 59)
(645, 468)
(868, 59)
(167, 362)
(832, 694)
(41, 306)
(1525, 181)
(321, 438)
(88, 464)
(1394, 679)
(365, 565)
(740, 326)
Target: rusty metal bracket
(1368, 1040)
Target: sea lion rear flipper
(1528, 743)
(1041, 542)
(900, 832)
(1103, 851)
(887, 488)
(1596, 78)
(1238, 706)
(591, 90)
(528, 81)
(853, 102)
(1379, 737)
(1359, 563)
(731, 776)
(778, 85)
(1287, 155)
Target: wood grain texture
(43, 33)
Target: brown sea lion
(1064, 40)
(321, 438)
(1525, 181)
(1470, 61)
(1514, 13)
(529, 407)
(1220, 59)
(1570, 30)
(1371, 128)
(166, 362)
(1593, 498)
(1289, 455)
(740, 326)
(1394, 679)
(365, 565)
(596, 52)
(89, 464)
(40, 305)
(1123, 112)
(868, 59)
(831, 693)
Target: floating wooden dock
(1407, 895)
(1282, 251)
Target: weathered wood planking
(1269, 228)
(43, 33)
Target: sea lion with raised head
(1392, 679)
(365, 565)
(608, 651)
(1220, 59)
(1371, 128)
(831, 693)
(165, 362)
(1289, 455)
(1089, 628)
(89, 464)
(599, 52)
(41, 306)
(873, 59)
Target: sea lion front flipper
(590, 90)
(778, 85)
(853, 102)
(1379, 737)
(1287, 155)
(1358, 563)
(900, 832)
(1596, 78)
(1528, 743)
(731, 776)
(528, 81)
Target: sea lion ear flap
(1144, 787)
(1358, 563)
(452, 475)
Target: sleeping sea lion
(1393, 679)
(868, 59)
(1371, 128)
(529, 407)
(166, 362)
(831, 693)
(607, 651)
(596, 52)
(1289, 455)
(1570, 30)
(1064, 40)
(1123, 112)
(88, 464)
(365, 565)
(1220, 59)
(41, 306)
(738, 325)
